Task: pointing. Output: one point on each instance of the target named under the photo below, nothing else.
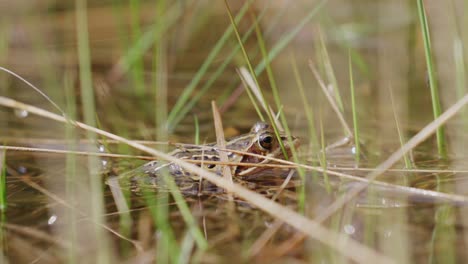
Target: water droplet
(268, 224)
(21, 113)
(52, 220)
(388, 233)
(349, 229)
(22, 170)
(102, 148)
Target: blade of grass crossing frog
(276, 125)
(252, 77)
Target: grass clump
(433, 84)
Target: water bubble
(21, 113)
(383, 201)
(52, 220)
(388, 233)
(101, 148)
(22, 170)
(349, 229)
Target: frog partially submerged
(261, 140)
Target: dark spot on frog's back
(175, 169)
(182, 154)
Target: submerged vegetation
(374, 90)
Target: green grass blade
(323, 158)
(3, 207)
(459, 58)
(4, 43)
(160, 75)
(288, 37)
(460, 78)
(436, 106)
(346, 46)
(249, 92)
(357, 144)
(185, 96)
(213, 77)
(258, 91)
(174, 117)
(197, 130)
(71, 168)
(119, 11)
(329, 71)
(307, 108)
(275, 51)
(145, 42)
(273, 86)
(244, 51)
(85, 63)
(137, 69)
(87, 93)
(197, 234)
(3, 190)
(186, 249)
(406, 157)
(167, 248)
(444, 237)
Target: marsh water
(52, 203)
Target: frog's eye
(266, 141)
